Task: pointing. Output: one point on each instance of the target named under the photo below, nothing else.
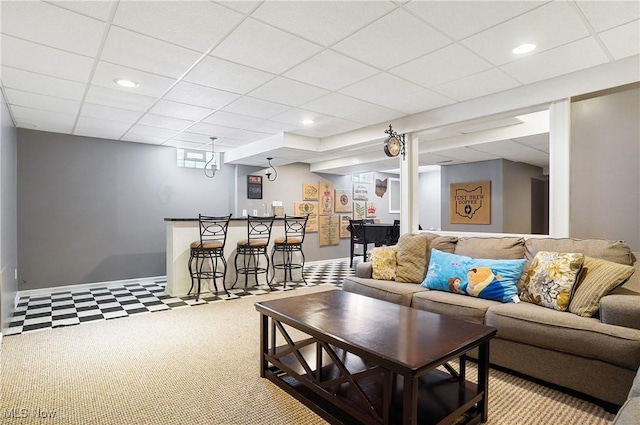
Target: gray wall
(605, 166)
(8, 216)
(430, 200)
(92, 210)
(517, 197)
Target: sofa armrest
(364, 270)
(620, 310)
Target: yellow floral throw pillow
(383, 262)
(551, 278)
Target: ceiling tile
(91, 110)
(44, 120)
(392, 40)
(222, 74)
(296, 116)
(211, 130)
(145, 130)
(138, 51)
(288, 92)
(444, 65)
(381, 87)
(552, 63)
(141, 138)
(273, 127)
(49, 25)
(206, 97)
(481, 84)
(261, 46)
(622, 41)
(180, 110)
(467, 154)
(111, 133)
(96, 9)
(249, 136)
(228, 119)
(331, 21)
(460, 19)
(149, 84)
(328, 128)
(607, 14)
(375, 114)
(164, 122)
(45, 60)
(38, 101)
(118, 99)
(183, 144)
(336, 104)
(194, 138)
(105, 125)
(198, 25)
(42, 84)
(331, 70)
(418, 101)
(549, 26)
(255, 107)
(244, 6)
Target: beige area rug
(196, 365)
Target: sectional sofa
(596, 352)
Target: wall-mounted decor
(254, 187)
(344, 223)
(310, 192)
(329, 231)
(362, 178)
(311, 208)
(325, 193)
(470, 203)
(343, 203)
(381, 187)
(372, 209)
(394, 195)
(361, 191)
(359, 210)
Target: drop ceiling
(249, 73)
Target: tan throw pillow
(597, 279)
(551, 278)
(412, 256)
(383, 262)
(507, 248)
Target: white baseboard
(0, 338)
(82, 286)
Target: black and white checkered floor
(67, 308)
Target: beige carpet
(196, 365)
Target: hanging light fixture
(211, 166)
(271, 171)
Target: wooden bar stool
(256, 243)
(288, 245)
(210, 246)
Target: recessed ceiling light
(123, 82)
(307, 122)
(524, 48)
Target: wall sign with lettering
(254, 187)
(470, 203)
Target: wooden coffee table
(355, 359)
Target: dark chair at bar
(251, 248)
(394, 233)
(289, 244)
(358, 236)
(210, 246)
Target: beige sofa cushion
(395, 292)
(414, 252)
(508, 248)
(471, 309)
(560, 331)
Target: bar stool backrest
(358, 230)
(259, 228)
(295, 228)
(213, 230)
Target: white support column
(559, 168)
(409, 187)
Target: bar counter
(182, 231)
